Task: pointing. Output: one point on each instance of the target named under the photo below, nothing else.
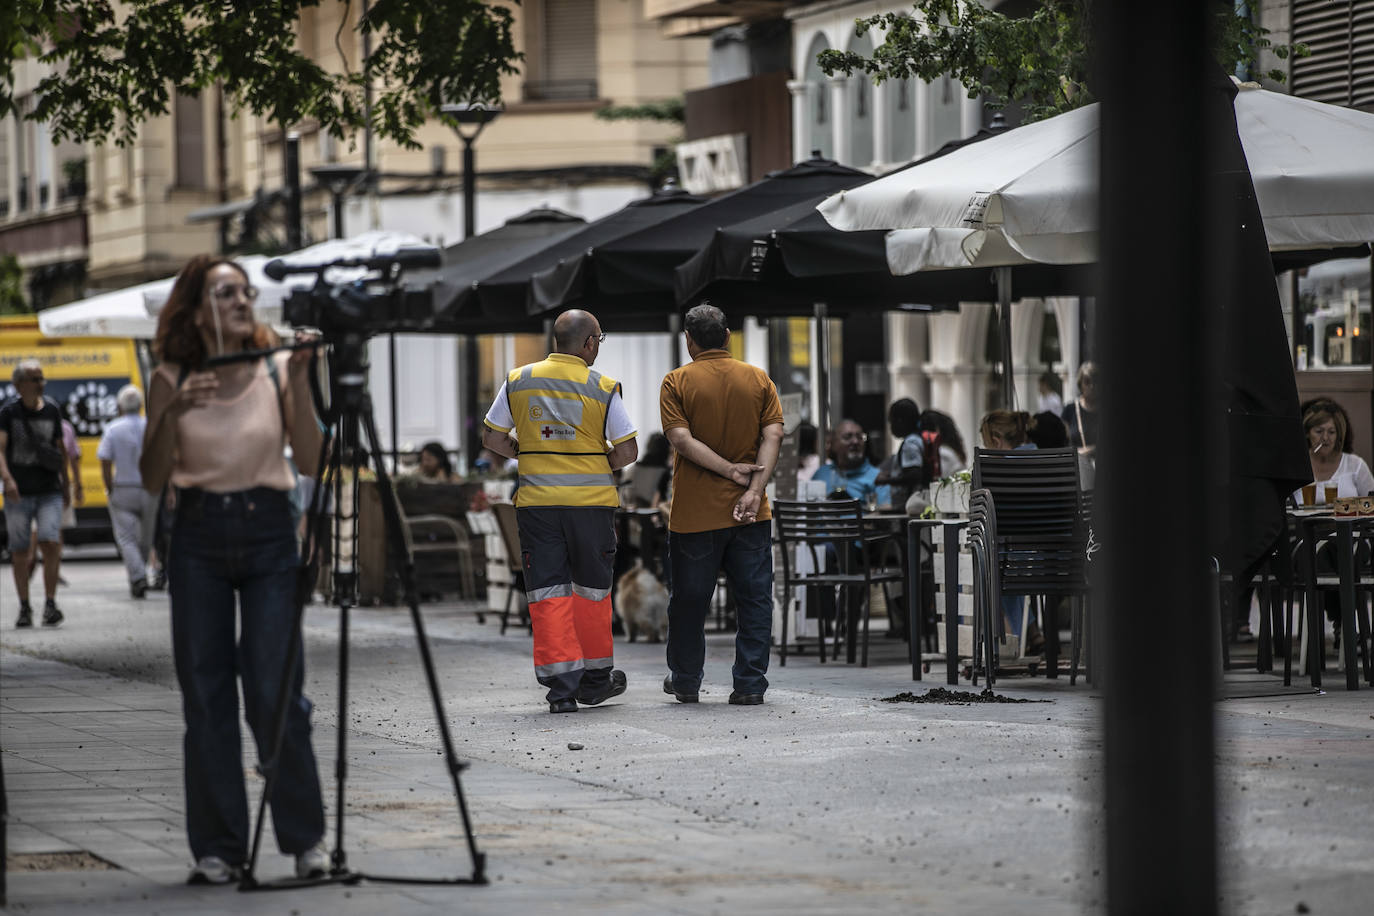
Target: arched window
(818, 102)
(860, 107)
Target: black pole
(394, 402)
(291, 165)
(469, 191)
(337, 197)
(1156, 230)
(470, 352)
(1004, 316)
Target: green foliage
(12, 300)
(672, 111)
(113, 72)
(1041, 61)
(668, 111)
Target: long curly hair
(178, 339)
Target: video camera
(379, 301)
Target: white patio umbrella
(1030, 195)
(133, 312)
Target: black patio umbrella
(456, 306)
(634, 273)
(507, 292)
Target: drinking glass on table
(1331, 492)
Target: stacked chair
(1028, 532)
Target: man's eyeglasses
(599, 338)
(230, 292)
(34, 378)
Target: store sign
(714, 163)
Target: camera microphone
(404, 258)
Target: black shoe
(25, 616)
(745, 699)
(668, 688)
(138, 588)
(613, 688)
(51, 615)
(564, 705)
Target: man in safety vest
(567, 426)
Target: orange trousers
(568, 556)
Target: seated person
(651, 474)
(435, 466)
(488, 462)
(849, 474)
(905, 471)
(1333, 463)
(953, 458)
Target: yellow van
(84, 375)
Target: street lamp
(337, 178)
(474, 116)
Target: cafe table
(1312, 522)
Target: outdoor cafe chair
(818, 527)
(1030, 538)
(1283, 591)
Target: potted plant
(950, 495)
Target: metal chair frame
(832, 522)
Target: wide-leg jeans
(227, 546)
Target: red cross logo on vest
(546, 432)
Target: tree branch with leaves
(115, 67)
(1042, 61)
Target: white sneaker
(313, 863)
(213, 870)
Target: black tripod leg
(395, 537)
(293, 650)
(344, 579)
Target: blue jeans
(226, 546)
(745, 553)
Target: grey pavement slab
(824, 800)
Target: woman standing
(219, 434)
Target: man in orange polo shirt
(725, 423)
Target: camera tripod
(349, 413)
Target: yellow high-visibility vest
(559, 406)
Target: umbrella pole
(822, 372)
(1004, 315)
(675, 344)
(395, 425)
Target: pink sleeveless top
(237, 444)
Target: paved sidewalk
(825, 800)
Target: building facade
(205, 178)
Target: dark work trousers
(745, 553)
(568, 555)
(226, 546)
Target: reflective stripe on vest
(559, 406)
